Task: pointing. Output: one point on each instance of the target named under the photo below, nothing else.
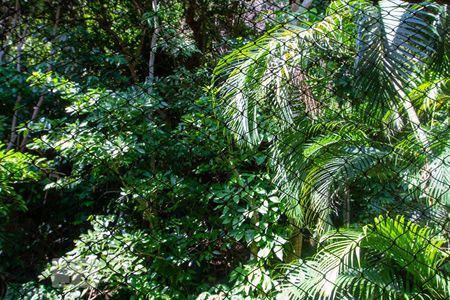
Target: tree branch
(38, 105)
(22, 37)
(106, 25)
(154, 40)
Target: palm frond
(428, 172)
(313, 162)
(259, 76)
(317, 277)
(396, 40)
(429, 98)
(326, 177)
(391, 258)
(440, 60)
(415, 249)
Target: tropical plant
(94, 264)
(395, 48)
(16, 168)
(341, 113)
(391, 258)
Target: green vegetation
(190, 149)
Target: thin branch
(153, 45)
(106, 26)
(38, 105)
(13, 135)
(22, 37)
(138, 7)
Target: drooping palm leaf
(427, 172)
(388, 259)
(315, 162)
(260, 75)
(429, 98)
(440, 60)
(396, 41)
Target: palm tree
(388, 259)
(269, 89)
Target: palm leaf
(440, 60)
(395, 39)
(259, 76)
(388, 259)
(314, 163)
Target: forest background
(196, 149)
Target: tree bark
(106, 25)
(13, 134)
(153, 45)
(295, 4)
(307, 3)
(195, 19)
(312, 107)
(22, 37)
(347, 207)
(296, 242)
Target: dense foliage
(189, 149)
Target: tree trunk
(21, 36)
(347, 207)
(13, 134)
(307, 3)
(105, 24)
(153, 45)
(195, 19)
(311, 106)
(297, 245)
(421, 135)
(295, 5)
